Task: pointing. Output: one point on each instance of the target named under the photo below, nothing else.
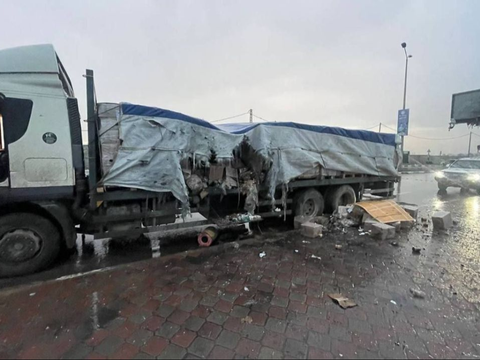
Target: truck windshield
(466, 164)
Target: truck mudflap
(62, 216)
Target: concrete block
(299, 220)
(442, 220)
(397, 225)
(407, 225)
(383, 231)
(412, 210)
(322, 220)
(311, 230)
(368, 224)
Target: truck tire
(309, 203)
(442, 188)
(28, 243)
(340, 196)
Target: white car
(463, 173)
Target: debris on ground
(416, 250)
(311, 230)
(262, 254)
(342, 212)
(305, 242)
(299, 220)
(412, 210)
(322, 220)
(385, 211)
(246, 289)
(338, 247)
(393, 302)
(442, 220)
(246, 320)
(417, 293)
(316, 257)
(342, 301)
(296, 250)
(394, 243)
(382, 231)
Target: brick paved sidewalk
(233, 304)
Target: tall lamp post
(404, 46)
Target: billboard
(402, 124)
(465, 108)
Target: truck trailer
(148, 167)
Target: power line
(433, 139)
(260, 118)
(231, 117)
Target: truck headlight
(474, 177)
(439, 174)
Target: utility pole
(404, 46)
(251, 115)
(380, 127)
(469, 143)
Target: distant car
(463, 173)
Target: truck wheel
(341, 196)
(309, 203)
(442, 188)
(28, 243)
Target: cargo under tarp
(147, 148)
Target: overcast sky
(321, 62)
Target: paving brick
(209, 301)
(188, 305)
(339, 333)
(295, 349)
(277, 312)
(97, 337)
(233, 324)
(201, 347)
(210, 330)
(219, 352)
(360, 326)
(253, 332)
(320, 341)
(268, 353)
(126, 351)
(316, 353)
(223, 306)
(139, 317)
(316, 312)
(318, 325)
(165, 310)
(142, 355)
(178, 317)
(217, 317)
(79, 351)
(344, 349)
(297, 307)
(279, 301)
(109, 346)
(167, 330)
(258, 318)
(153, 323)
(248, 348)
(296, 332)
(155, 346)
(228, 339)
(298, 297)
(239, 311)
(184, 338)
(172, 351)
(273, 340)
(276, 325)
(140, 337)
(194, 323)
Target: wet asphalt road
(420, 189)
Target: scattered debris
(316, 257)
(246, 320)
(236, 245)
(394, 243)
(416, 250)
(393, 302)
(296, 250)
(424, 220)
(343, 212)
(383, 231)
(299, 220)
(342, 301)
(442, 220)
(246, 289)
(322, 220)
(338, 247)
(412, 210)
(417, 293)
(455, 222)
(32, 294)
(262, 254)
(385, 211)
(364, 233)
(305, 242)
(311, 230)
(249, 303)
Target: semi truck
(48, 197)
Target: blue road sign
(402, 125)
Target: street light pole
(404, 46)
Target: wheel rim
(19, 246)
(309, 207)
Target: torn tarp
(159, 149)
